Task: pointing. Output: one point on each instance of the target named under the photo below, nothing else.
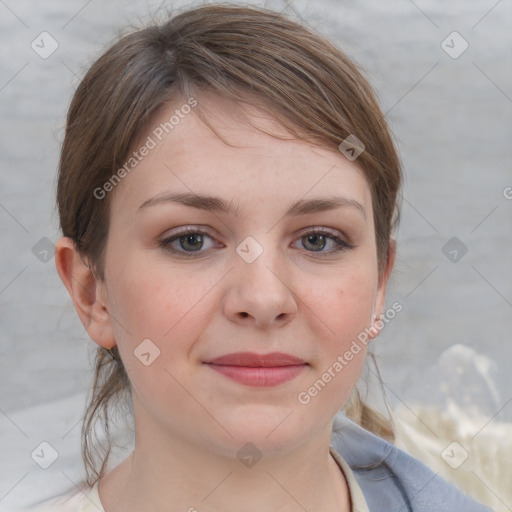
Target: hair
(251, 56)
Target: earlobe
(376, 327)
(86, 292)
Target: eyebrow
(216, 204)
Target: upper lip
(257, 360)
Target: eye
(190, 242)
(187, 242)
(317, 240)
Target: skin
(190, 420)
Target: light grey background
(452, 121)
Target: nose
(260, 293)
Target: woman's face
(255, 281)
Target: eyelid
(191, 229)
(321, 230)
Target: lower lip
(259, 376)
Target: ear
(380, 298)
(87, 292)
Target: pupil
(190, 239)
(315, 238)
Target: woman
(227, 194)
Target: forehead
(237, 154)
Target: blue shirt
(393, 481)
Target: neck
(170, 475)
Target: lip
(257, 360)
(259, 370)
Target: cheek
(151, 303)
(342, 311)
(170, 310)
(346, 305)
(343, 314)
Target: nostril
(244, 314)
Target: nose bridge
(259, 286)
(260, 263)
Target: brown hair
(250, 56)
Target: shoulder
(390, 479)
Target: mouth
(260, 370)
(252, 359)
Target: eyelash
(341, 245)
